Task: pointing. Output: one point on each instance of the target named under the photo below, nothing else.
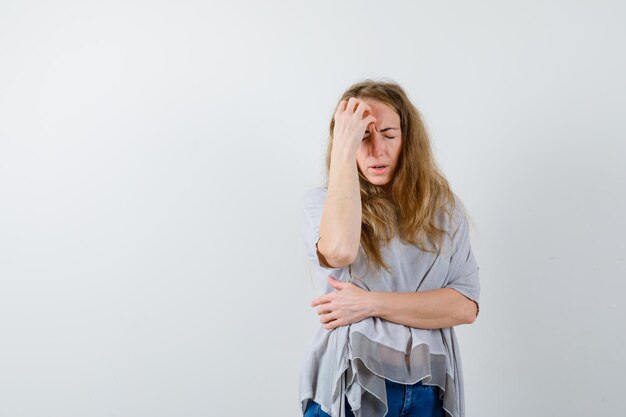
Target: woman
(390, 241)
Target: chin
(378, 181)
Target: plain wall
(153, 156)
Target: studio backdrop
(153, 158)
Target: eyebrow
(385, 129)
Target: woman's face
(381, 145)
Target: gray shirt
(354, 360)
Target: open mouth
(378, 169)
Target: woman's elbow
(338, 257)
(471, 312)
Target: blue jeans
(417, 400)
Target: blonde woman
(389, 240)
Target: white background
(152, 161)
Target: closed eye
(388, 137)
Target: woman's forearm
(433, 309)
(340, 227)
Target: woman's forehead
(386, 116)
(381, 107)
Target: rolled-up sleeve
(312, 206)
(463, 273)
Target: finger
(352, 103)
(332, 281)
(333, 324)
(323, 310)
(327, 318)
(361, 108)
(368, 120)
(341, 107)
(367, 110)
(318, 301)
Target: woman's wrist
(371, 304)
(344, 153)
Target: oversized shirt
(354, 360)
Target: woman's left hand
(346, 305)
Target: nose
(377, 143)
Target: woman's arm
(433, 309)
(340, 227)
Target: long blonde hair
(419, 191)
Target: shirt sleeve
(463, 273)
(312, 206)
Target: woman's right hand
(351, 120)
